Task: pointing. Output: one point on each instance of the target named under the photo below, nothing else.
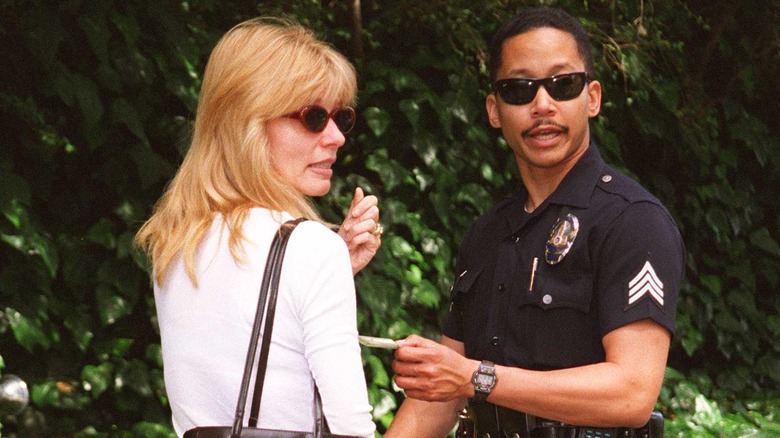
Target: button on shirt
(625, 264)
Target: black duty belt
(486, 420)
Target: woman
(273, 112)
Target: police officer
(564, 303)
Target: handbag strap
(269, 286)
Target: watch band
(484, 379)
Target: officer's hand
(361, 230)
(429, 371)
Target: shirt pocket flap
(465, 282)
(553, 292)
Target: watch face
(484, 380)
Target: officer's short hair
(534, 18)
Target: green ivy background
(97, 98)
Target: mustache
(526, 132)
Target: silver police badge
(561, 239)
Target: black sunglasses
(315, 118)
(520, 91)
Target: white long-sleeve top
(205, 331)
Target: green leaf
(672, 374)
(111, 307)
(413, 275)
(427, 294)
(28, 332)
(152, 168)
(712, 283)
(401, 249)
(79, 325)
(124, 113)
(118, 347)
(769, 365)
(763, 240)
(691, 340)
(377, 120)
(773, 324)
(154, 354)
(97, 34)
(102, 233)
(374, 292)
(411, 110)
(383, 403)
(45, 394)
(153, 430)
(13, 189)
(88, 98)
(90, 432)
(128, 26)
(475, 195)
(734, 380)
(123, 278)
(707, 412)
(380, 376)
(126, 245)
(30, 241)
(134, 375)
(157, 381)
(390, 172)
(97, 378)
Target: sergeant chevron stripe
(646, 283)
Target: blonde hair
(261, 69)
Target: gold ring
(378, 230)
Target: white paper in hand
(370, 341)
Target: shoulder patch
(646, 283)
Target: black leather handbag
(268, 293)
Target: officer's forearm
(618, 392)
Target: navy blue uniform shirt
(625, 264)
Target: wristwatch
(484, 379)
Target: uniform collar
(575, 190)
(577, 186)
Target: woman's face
(304, 158)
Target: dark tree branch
(357, 30)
